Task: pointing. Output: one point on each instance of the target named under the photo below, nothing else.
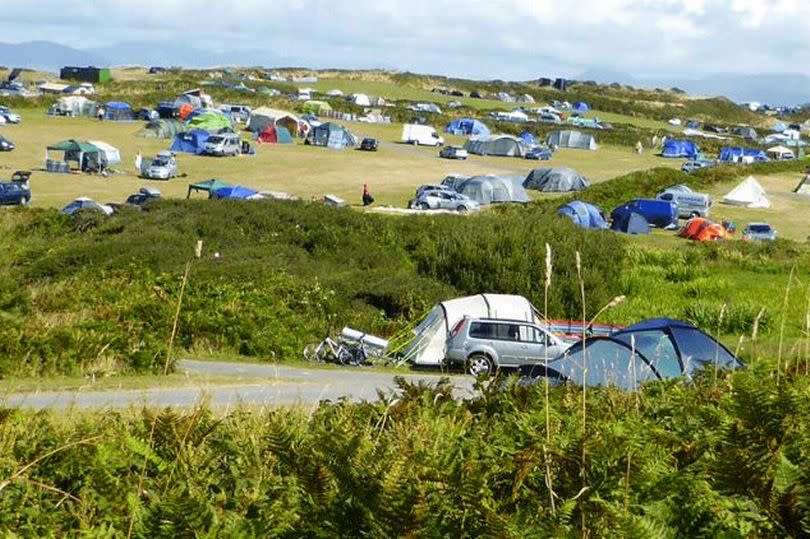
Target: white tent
(748, 193)
(361, 100)
(429, 343)
(110, 154)
(780, 153)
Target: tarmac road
(284, 386)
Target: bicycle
(340, 352)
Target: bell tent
(748, 193)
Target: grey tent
(489, 189)
(502, 145)
(745, 132)
(555, 180)
(572, 139)
(165, 128)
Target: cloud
(493, 39)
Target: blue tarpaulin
(238, 192)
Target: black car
(540, 154)
(370, 144)
(5, 144)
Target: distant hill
(50, 56)
(47, 56)
(771, 88)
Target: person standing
(100, 113)
(367, 198)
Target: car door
(446, 201)
(509, 345)
(534, 345)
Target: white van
(223, 144)
(421, 134)
(690, 204)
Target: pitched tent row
(489, 189)
(499, 145)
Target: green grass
(393, 173)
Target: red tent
(700, 229)
(268, 135)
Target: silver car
(443, 199)
(162, 167)
(759, 232)
(483, 345)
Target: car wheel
(694, 214)
(479, 365)
(424, 206)
(25, 201)
(461, 209)
(415, 142)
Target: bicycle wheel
(344, 356)
(311, 353)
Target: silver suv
(483, 345)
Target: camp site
(541, 287)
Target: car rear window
(494, 330)
(761, 229)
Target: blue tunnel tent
(190, 142)
(584, 215)
(653, 349)
(331, 135)
(630, 223)
(736, 155)
(118, 111)
(680, 149)
(528, 138)
(467, 126)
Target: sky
(508, 39)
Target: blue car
(14, 194)
(540, 154)
(660, 213)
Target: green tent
(163, 128)
(316, 107)
(207, 186)
(209, 121)
(84, 154)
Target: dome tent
(489, 189)
(555, 180)
(273, 134)
(467, 126)
(584, 215)
(650, 350)
(680, 149)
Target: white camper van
(421, 134)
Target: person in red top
(367, 198)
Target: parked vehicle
(14, 194)
(423, 135)
(483, 345)
(431, 187)
(223, 144)
(453, 152)
(540, 154)
(239, 113)
(697, 164)
(690, 204)
(444, 199)
(144, 195)
(660, 213)
(162, 167)
(9, 116)
(759, 232)
(5, 144)
(86, 204)
(369, 144)
(549, 118)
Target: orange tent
(700, 229)
(185, 110)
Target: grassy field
(393, 173)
